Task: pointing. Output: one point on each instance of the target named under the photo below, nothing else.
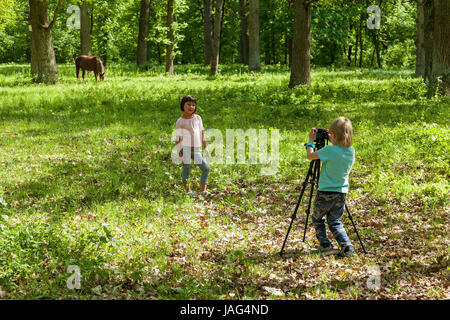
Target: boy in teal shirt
(337, 161)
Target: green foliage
(8, 14)
(87, 180)
(335, 26)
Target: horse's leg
(84, 73)
(78, 72)
(96, 74)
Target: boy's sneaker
(327, 250)
(348, 252)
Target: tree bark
(428, 12)
(420, 51)
(376, 43)
(43, 60)
(357, 35)
(221, 24)
(441, 44)
(207, 31)
(170, 37)
(243, 41)
(85, 30)
(350, 47)
(361, 48)
(301, 47)
(254, 60)
(216, 38)
(143, 45)
(289, 41)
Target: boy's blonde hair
(343, 129)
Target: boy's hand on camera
(207, 153)
(312, 135)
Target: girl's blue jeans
(331, 206)
(195, 154)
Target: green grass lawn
(87, 179)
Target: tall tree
(376, 41)
(243, 40)
(144, 20)
(207, 31)
(441, 43)
(254, 61)
(428, 13)
(301, 46)
(350, 46)
(42, 53)
(85, 29)
(216, 38)
(170, 38)
(361, 48)
(420, 52)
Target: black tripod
(313, 177)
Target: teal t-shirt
(337, 161)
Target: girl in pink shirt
(190, 140)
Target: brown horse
(90, 63)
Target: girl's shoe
(204, 193)
(190, 193)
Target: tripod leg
(313, 181)
(305, 183)
(356, 230)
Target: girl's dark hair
(187, 99)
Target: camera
(321, 136)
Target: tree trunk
(207, 31)
(221, 24)
(441, 44)
(357, 34)
(420, 51)
(143, 45)
(216, 38)
(85, 30)
(254, 61)
(290, 51)
(349, 55)
(350, 47)
(33, 57)
(376, 43)
(301, 48)
(361, 49)
(428, 12)
(43, 56)
(169, 46)
(273, 51)
(244, 41)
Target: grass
(87, 180)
